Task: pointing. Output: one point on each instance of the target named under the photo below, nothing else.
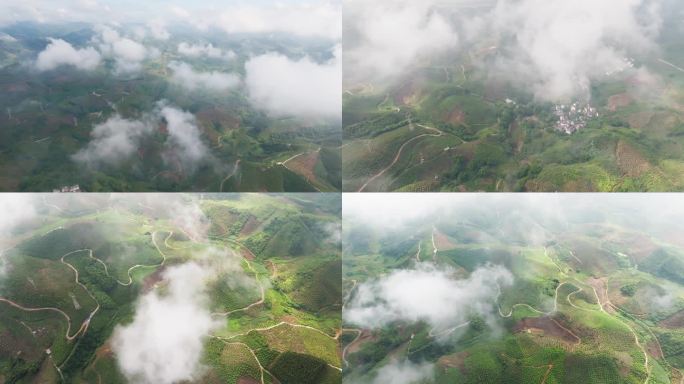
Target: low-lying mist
(553, 49)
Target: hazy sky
(300, 86)
(303, 18)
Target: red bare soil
(457, 360)
(152, 280)
(409, 93)
(653, 350)
(304, 165)
(619, 100)
(675, 321)
(247, 380)
(250, 226)
(442, 242)
(455, 116)
(366, 337)
(600, 288)
(630, 161)
(246, 253)
(547, 326)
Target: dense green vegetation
(47, 117)
(291, 328)
(596, 299)
(494, 135)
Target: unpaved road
(232, 173)
(128, 273)
(344, 351)
(84, 326)
(398, 154)
(434, 246)
(680, 69)
(254, 304)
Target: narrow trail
(346, 348)
(546, 253)
(448, 331)
(130, 270)
(636, 337)
(434, 246)
(351, 291)
(242, 246)
(254, 304)
(86, 323)
(555, 309)
(546, 375)
(680, 69)
(274, 273)
(420, 243)
(284, 164)
(231, 174)
(291, 158)
(548, 371)
(57, 368)
(261, 367)
(51, 205)
(84, 326)
(37, 309)
(510, 313)
(280, 324)
(408, 346)
(398, 154)
(575, 257)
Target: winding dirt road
(284, 164)
(448, 331)
(261, 367)
(346, 348)
(86, 323)
(434, 246)
(128, 272)
(231, 174)
(680, 69)
(254, 304)
(398, 154)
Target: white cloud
(296, 87)
(186, 76)
(117, 139)
(379, 209)
(157, 29)
(304, 18)
(426, 293)
(17, 209)
(319, 19)
(60, 52)
(128, 54)
(189, 218)
(113, 141)
(386, 37)
(7, 38)
(560, 47)
(555, 48)
(404, 372)
(185, 140)
(164, 342)
(208, 50)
